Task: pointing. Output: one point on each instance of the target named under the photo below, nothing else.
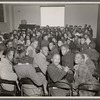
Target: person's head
(51, 45)
(79, 58)
(9, 44)
(14, 31)
(60, 43)
(92, 45)
(86, 36)
(15, 40)
(89, 26)
(2, 47)
(21, 38)
(28, 37)
(44, 50)
(68, 41)
(82, 41)
(34, 44)
(85, 26)
(45, 36)
(56, 59)
(10, 54)
(38, 33)
(24, 35)
(28, 42)
(76, 38)
(11, 36)
(65, 35)
(54, 40)
(64, 49)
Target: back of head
(92, 45)
(2, 47)
(66, 46)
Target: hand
(70, 71)
(66, 69)
(75, 67)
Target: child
(45, 41)
(28, 43)
(53, 50)
(68, 56)
(87, 38)
(82, 74)
(21, 40)
(68, 60)
(93, 54)
(57, 73)
(83, 45)
(6, 70)
(32, 49)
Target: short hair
(43, 46)
(52, 42)
(35, 40)
(2, 47)
(10, 49)
(92, 45)
(55, 54)
(45, 35)
(8, 42)
(65, 45)
(82, 55)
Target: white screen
(52, 16)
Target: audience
(64, 53)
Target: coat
(40, 61)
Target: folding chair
(87, 87)
(4, 92)
(27, 81)
(60, 84)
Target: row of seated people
(25, 67)
(37, 55)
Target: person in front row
(6, 70)
(40, 59)
(82, 74)
(68, 60)
(57, 73)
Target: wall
(82, 14)
(29, 13)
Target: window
(52, 16)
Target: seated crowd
(67, 54)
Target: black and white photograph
(49, 49)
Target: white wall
(82, 14)
(29, 13)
